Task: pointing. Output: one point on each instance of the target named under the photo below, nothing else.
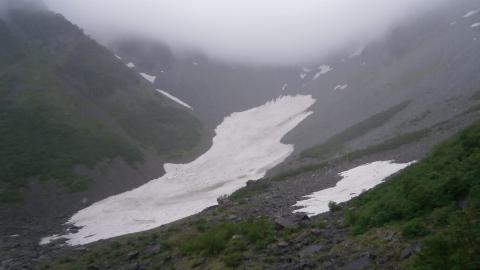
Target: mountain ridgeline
(67, 101)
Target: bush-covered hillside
(437, 200)
(67, 101)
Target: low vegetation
(389, 144)
(67, 101)
(437, 200)
(335, 144)
(225, 245)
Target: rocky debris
(358, 264)
(291, 221)
(406, 253)
(310, 250)
(223, 200)
(132, 255)
(232, 217)
(236, 237)
(316, 232)
(93, 267)
(74, 229)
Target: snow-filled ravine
(174, 98)
(353, 183)
(246, 145)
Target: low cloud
(269, 32)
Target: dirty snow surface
(246, 145)
(170, 96)
(353, 183)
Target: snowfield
(471, 13)
(174, 99)
(357, 52)
(323, 69)
(148, 77)
(353, 183)
(475, 25)
(340, 87)
(246, 145)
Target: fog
(267, 32)
(6, 5)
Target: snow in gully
(353, 183)
(246, 145)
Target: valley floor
(325, 241)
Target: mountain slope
(426, 217)
(67, 101)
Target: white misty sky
(257, 31)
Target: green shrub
(446, 176)
(233, 259)
(333, 206)
(414, 228)
(254, 234)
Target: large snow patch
(353, 183)
(246, 145)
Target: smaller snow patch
(49, 239)
(475, 25)
(131, 65)
(148, 77)
(306, 70)
(353, 183)
(471, 13)
(358, 51)
(174, 99)
(341, 87)
(323, 69)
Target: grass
(335, 144)
(390, 144)
(218, 245)
(229, 238)
(253, 188)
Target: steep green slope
(67, 101)
(438, 199)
